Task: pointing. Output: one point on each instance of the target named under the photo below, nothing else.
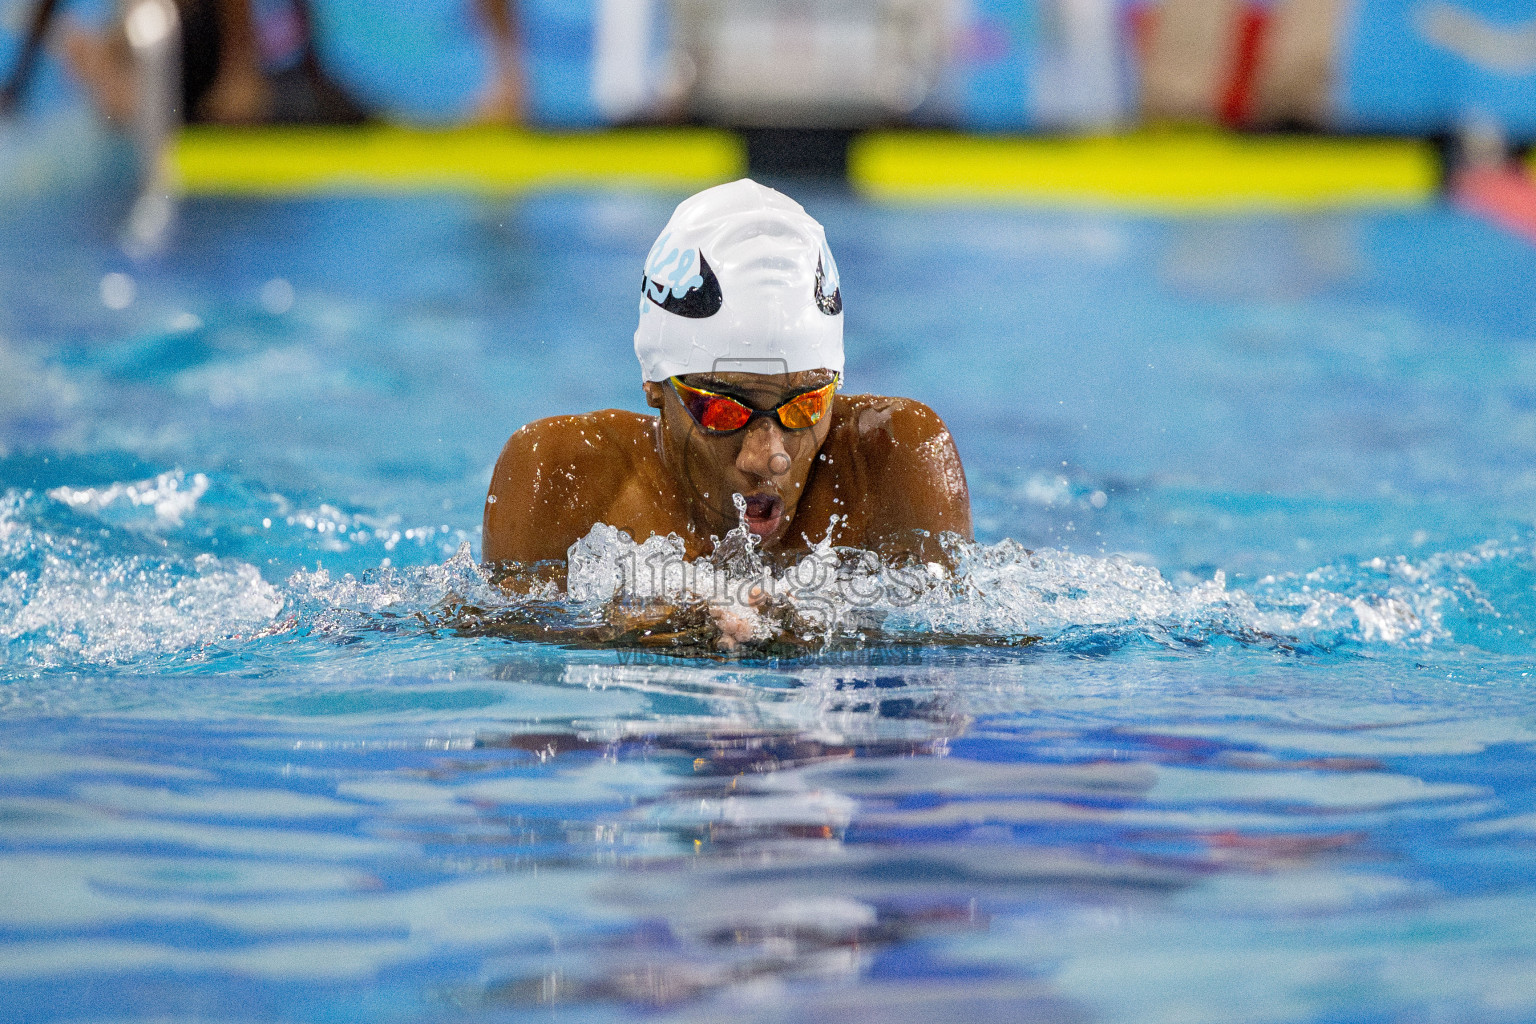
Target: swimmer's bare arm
(554, 479)
(915, 478)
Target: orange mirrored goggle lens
(719, 413)
(805, 410)
(722, 415)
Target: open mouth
(763, 513)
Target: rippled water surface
(1226, 715)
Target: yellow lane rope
(1161, 172)
(277, 161)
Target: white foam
(397, 591)
(1004, 590)
(62, 601)
(68, 599)
(168, 497)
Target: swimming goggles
(722, 414)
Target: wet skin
(886, 467)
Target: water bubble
(277, 296)
(118, 290)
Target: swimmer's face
(763, 462)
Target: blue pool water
(1262, 486)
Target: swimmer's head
(739, 281)
(740, 299)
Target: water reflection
(793, 857)
(808, 842)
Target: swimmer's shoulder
(586, 441)
(896, 456)
(557, 476)
(876, 422)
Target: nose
(762, 452)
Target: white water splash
(397, 591)
(64, 602)
(1006, 591)
(167, 498)
(71, 598)
(338, 531)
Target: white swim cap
(740, 280)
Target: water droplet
(118, 291)
(277, 296)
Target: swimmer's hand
(659, 624)
(532, 579)
(739, 624)
(726, 627)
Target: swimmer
(741, 350)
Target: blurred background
(1407, 67)
(1190, 104)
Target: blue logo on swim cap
(826, 280)
(680, 281)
